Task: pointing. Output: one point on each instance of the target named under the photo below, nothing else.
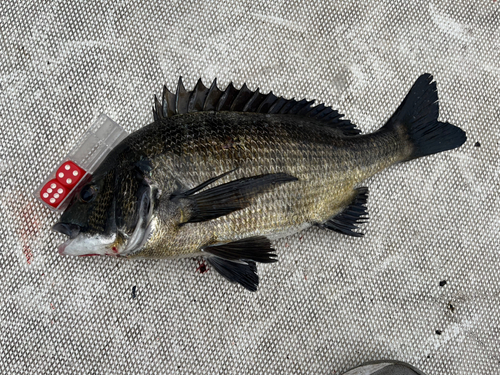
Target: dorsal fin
(197, 97)
(168, 103)
(227, 98)
(243, 100)
(213, 97)
(181, 98)
(243, 96)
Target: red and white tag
(69, 174)
(55, 191)
(83, 159)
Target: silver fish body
(221, 174)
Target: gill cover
(111, 215)
(139, 233)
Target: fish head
(110, 215)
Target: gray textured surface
(331, 302)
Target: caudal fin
(417, 118)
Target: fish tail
(416, 120)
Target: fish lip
(70, 230)
(62, 247)
(86, 245)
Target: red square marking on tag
(53, 193)
(69, 174)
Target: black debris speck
(438, 332)
(134, 288)
(477, 144)
(442, 283)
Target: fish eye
(88, 193)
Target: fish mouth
(70, 230)
(114, 241)
(81, 244)
(62, 247)
(85, 244)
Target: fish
(221, 174)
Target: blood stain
(30, 229)
(202, 267)
(27, 253)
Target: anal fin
(355, 213)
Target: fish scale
(222, 173)
(322, 161)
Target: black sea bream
(222, 173)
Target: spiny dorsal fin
(181, 98)
(213, 97)
(227, 98)
(243, 100)
(198, 97)
(168, 103)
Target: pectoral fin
(226, 198)
(354, 214)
